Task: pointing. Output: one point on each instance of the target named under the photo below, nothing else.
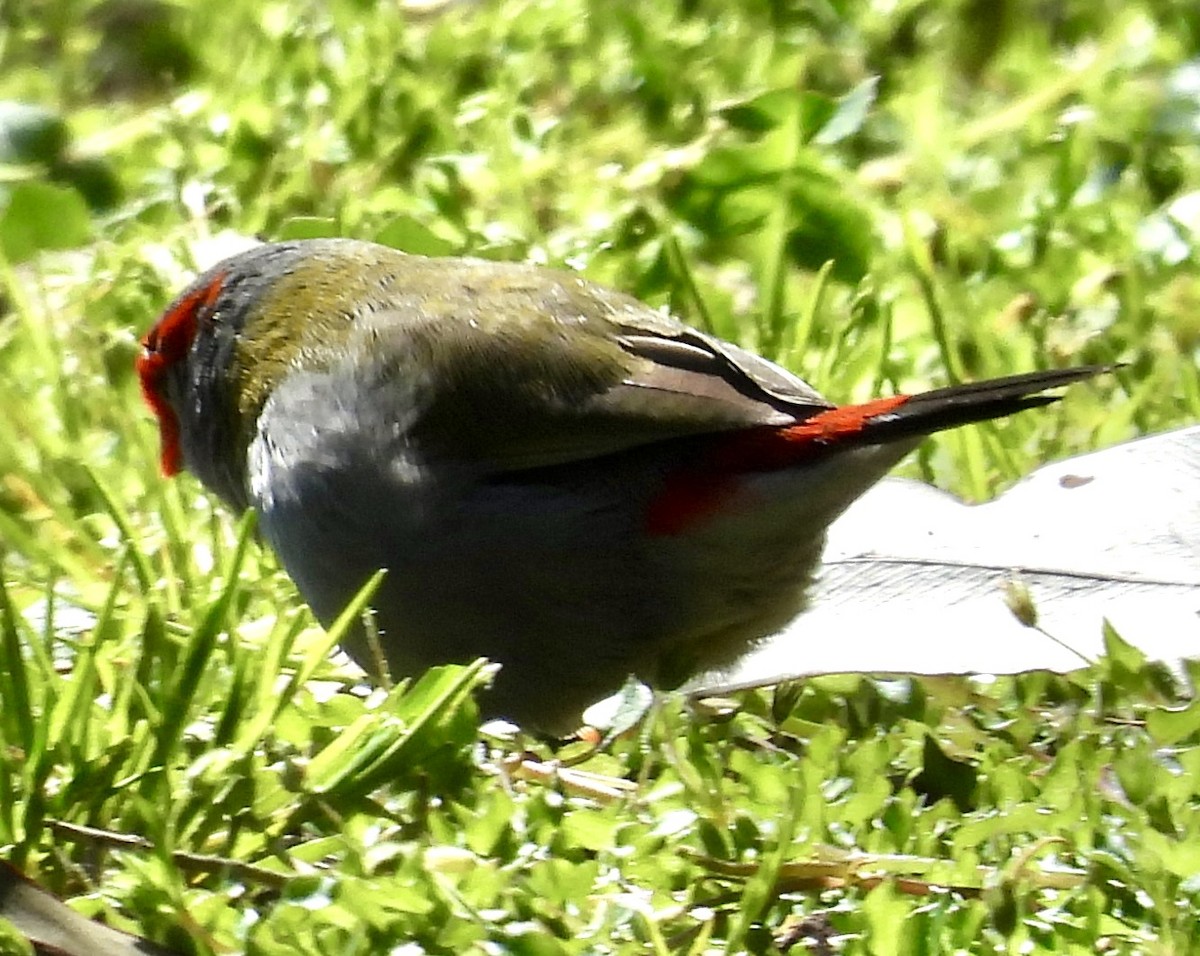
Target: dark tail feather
(695, 491)
(942, 408)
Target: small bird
(554, 475)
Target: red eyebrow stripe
(165, 344)
(172, 335)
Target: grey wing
(556, 369)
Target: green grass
(879, 196)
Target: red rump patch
(697, 491)
(167, 343)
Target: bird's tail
(694, 492)
(886, 420)
(942, 408)
(900, 421)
